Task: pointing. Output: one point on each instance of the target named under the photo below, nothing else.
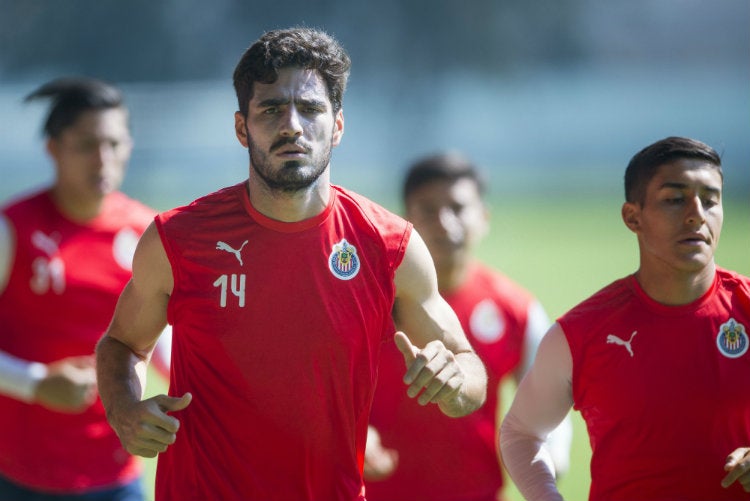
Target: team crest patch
(343, 261)
(732, 339)
(486, 322)
(123, 247)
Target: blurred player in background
(424, 455)
(656, 362)
(281, 291)
(65, 254)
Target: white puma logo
(44, 243)
(616, 340)
(49, 272)
(226, 247)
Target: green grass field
(563, 251)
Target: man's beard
(293, 176)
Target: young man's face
(91, 155)
(451, 218)
(679, 223)
(290, 129)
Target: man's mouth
(694, 240)
(288, 147)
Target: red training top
(441, 458)
(64, 283)
(277, 329)
(663, 389)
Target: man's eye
(87, 146)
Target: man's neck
(452, 278)
(674, 288)
(76, 208)
(290, 207)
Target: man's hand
(380, 463)
(738, 466)
(144, 428)
(433, 373)
(69, 387)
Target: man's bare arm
(442, 367)
(122, 355)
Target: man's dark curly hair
(298, 47)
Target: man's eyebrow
(682, 186)
(273, 101)
(280, 101)
(320, 103)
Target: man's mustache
(287, 140)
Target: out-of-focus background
(549, 95)
(551, 98)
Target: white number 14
(222, 282)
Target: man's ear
(240, 128)
(484, 228)
(52, 146)
(631, 216)
(338, 128)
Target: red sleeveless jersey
(62, 289)
(277, 329)
(493, 311)
(663, 389)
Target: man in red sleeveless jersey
(281, 291)
(443, 196)
(65, 255)
(656, 362)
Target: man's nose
(292, 124)
(105, 153)
(696, 213)
(450, 223)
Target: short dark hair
(72, 96)
(645, 163)
(300, 47)
(450, 166)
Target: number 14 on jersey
(235, 283)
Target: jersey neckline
(667, 309)
(283, 226)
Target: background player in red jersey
(657, 362)
(65, 255)
(443, 197)
(281, 291)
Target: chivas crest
(343, 261)
(732, 339)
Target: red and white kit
(663, 389)
(277, 330)
(57, 303)
(495, 315)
